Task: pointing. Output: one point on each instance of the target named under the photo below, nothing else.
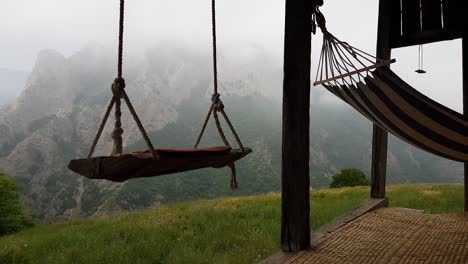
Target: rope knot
(215, 97)
(321, 22)
(217, 103)
(219, 106)
(117, 133)
(118, 86)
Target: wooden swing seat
(156, 162)
(139, 164)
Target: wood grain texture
(380, 136)
(138, 165)
(465, 112)
(434, 26)
(431, 15)
(425, 38)
(295, 225)
(454, 15)
(411, 17)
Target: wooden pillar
(465, 112)
(295, 222)
(380, 136)
(379, 162)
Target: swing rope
(117, 88)
(217, 105)
(120, 167)
(118, 91)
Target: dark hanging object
(141, 163)
(314, 24)
(420, 69)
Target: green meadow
(225, 230)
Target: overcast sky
(28, 26)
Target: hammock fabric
(389, 102)
(139, 164)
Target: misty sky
(28, 26)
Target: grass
(227, 230)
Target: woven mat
(394, 235)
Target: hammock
(385, 99)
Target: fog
(28, 26)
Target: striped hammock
(389, 102)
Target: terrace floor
(389, 235)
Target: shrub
(349, 178)
(13, 217)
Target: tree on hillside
(349, 178)
(12, 215)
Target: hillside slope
(227, 230)
(57, 114)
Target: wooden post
(379, 162)
(465, 112)
(380, 136)
(295, 220)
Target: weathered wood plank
(138, 165)
(465, 111)
(454, 15)
(425, 37)
(379, 162)
(431, 15)
(295, 225)
(411, 17)
(279, 258)
(433, 28)
(380, 136)
(395, 19)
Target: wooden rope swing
(121, 166)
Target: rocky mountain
(57, 114)
(11, 83)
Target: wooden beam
(465, 112)
(120, 168)
(424, 38)
(379, 162)
(365, 69)
(295, 220)
(380, 136)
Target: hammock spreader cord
(118, 90)
(217, 105)
(343, 58)
(346, 60)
